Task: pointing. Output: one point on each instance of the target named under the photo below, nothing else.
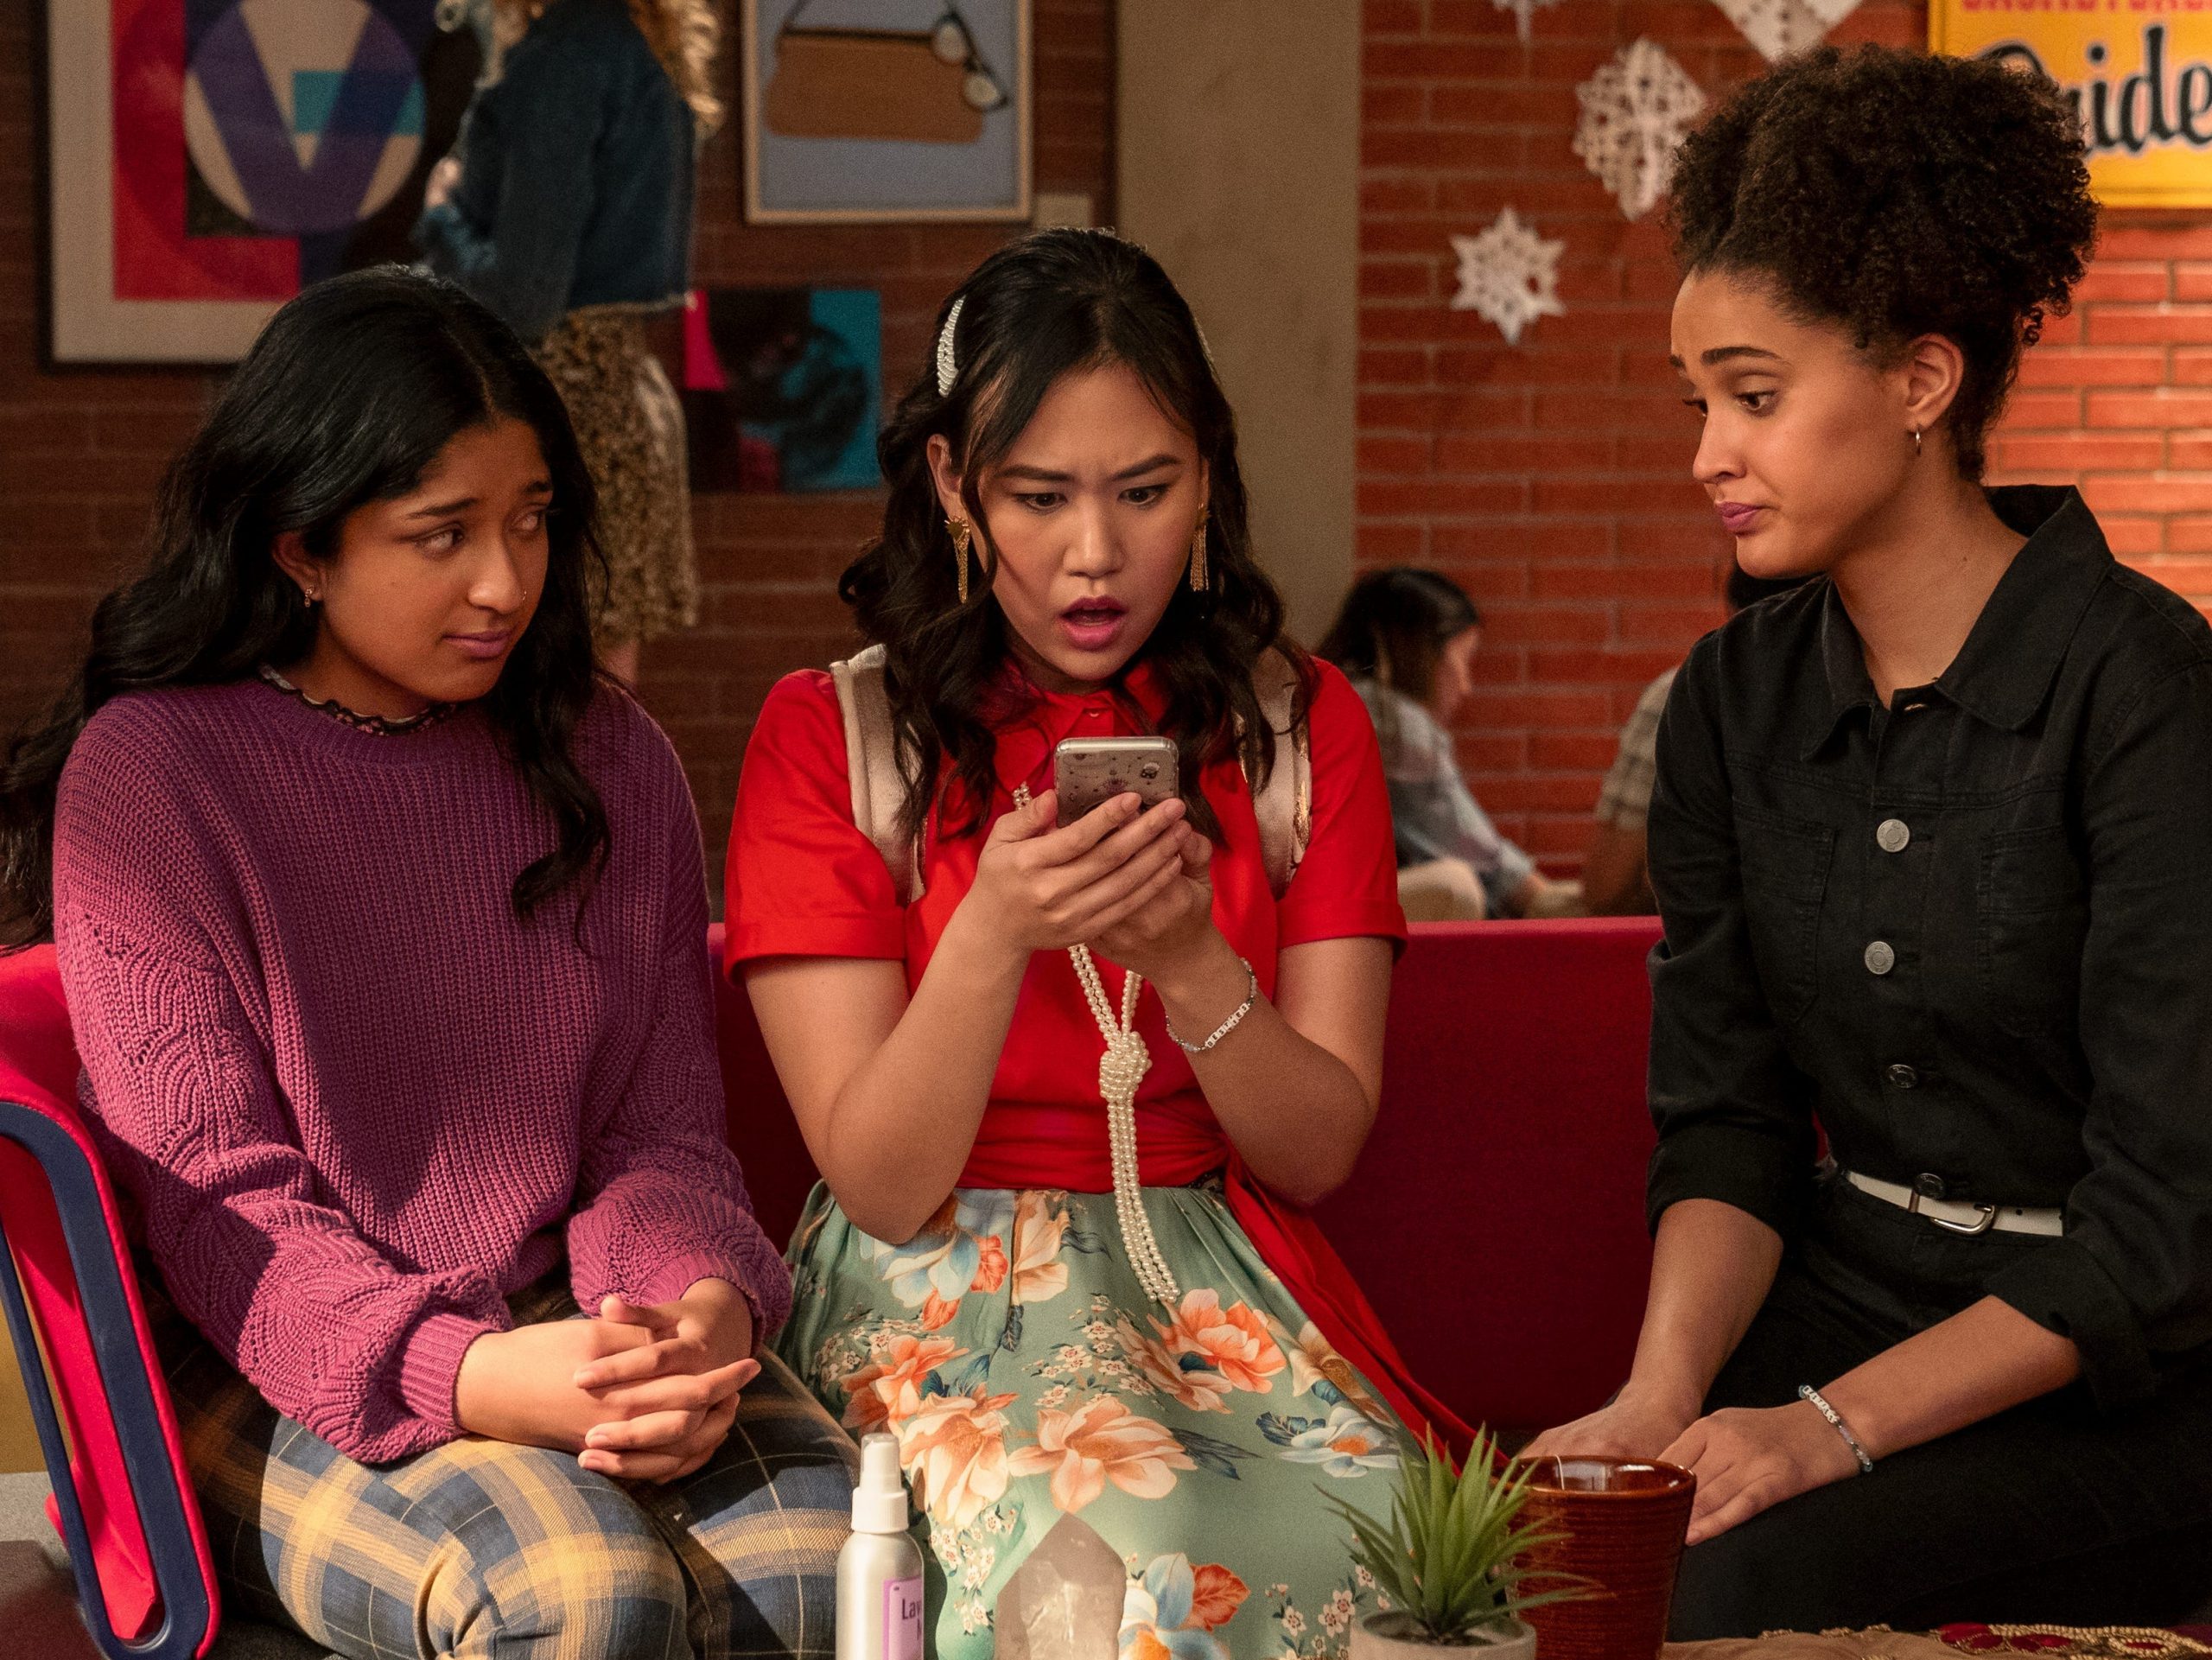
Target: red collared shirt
(803, 881)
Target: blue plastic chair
(121, 1499)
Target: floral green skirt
(1026, 1376)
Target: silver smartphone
(1088, 772)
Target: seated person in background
(1616, 882)
(1406, 638)
(382, 918)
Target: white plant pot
(1394, 1636)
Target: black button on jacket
(2035, 953)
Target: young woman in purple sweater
(381, 915)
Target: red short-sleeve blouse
(803, 881)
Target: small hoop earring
(1198, 573)
(1915, 442)
(962, 534)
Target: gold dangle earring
(1916, 443)
(962, 535)
(1198, 552)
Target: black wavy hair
(1898, 194)
(1048, 305)
(1394, 624)
(347, 397)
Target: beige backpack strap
(879, 789)
(1284, 804)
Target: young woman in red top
(1183, 1364)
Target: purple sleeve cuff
(429, 1367)
(769, 1304)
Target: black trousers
(2053, 1513)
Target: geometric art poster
(783, 388)
(209, 158)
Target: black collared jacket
(1970, 935)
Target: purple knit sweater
(357, 1102)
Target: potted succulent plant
(1446, 1564)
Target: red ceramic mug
(1626, 1520)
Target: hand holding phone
(1087, 773)
(1041, 885)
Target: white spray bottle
(880, 1570)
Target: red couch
(1496, 1219)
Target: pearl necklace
(1120, 1070)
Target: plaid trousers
(486, 1550)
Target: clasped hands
(642, 1392)
(1745, 1459)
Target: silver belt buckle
(1987, 1221)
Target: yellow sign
(2138, 71)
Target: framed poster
(783, 388)
(205, 159)
(860, 109)
(2139, 73)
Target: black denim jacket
(1971, 934)
(577, 174)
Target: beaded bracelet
(1806, 1392)
(1251, 997)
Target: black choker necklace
(377, 725)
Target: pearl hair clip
(947, 370)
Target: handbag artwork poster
(886, 109)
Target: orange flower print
(990, 1275)
(889, 1391)
(1101, 1440)
(959, 1250)
(1170, 1610)
(1312, 1361)
(1216, 1595)
(1040, 1221)
(1232, 1341)
(1188, 1381)
(953, 1449)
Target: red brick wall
(1552, 479)
(80, 452)
(2117, 399)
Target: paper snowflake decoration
(1510, 274)
(1522, 10)
(1636, 111)
(1780, 28)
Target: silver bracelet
(1806, 1392)
(1251, 996)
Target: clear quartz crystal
(1065, 1603)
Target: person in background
(382, 923)
(1616, 880)
(566, 209)
(1407, 639)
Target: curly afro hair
(1898, 194)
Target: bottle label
(902, 1620)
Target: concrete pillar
(1237, 157)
